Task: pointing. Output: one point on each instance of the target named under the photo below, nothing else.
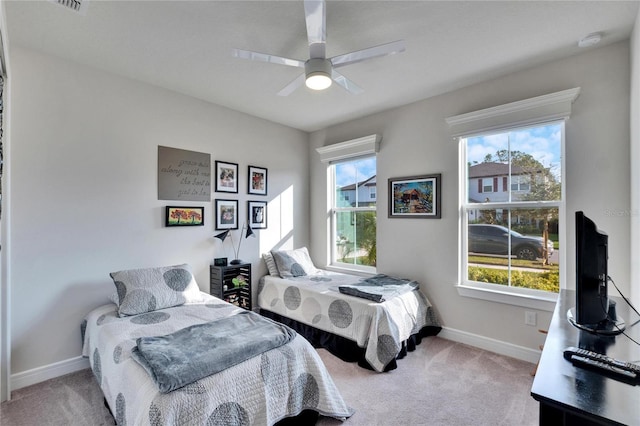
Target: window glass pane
(354, 180)
(528, 158)
(534, 156)
(356, 237)
(484, 172)
(514, 247)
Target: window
(520, 143)
(487, 185)
(520, 183)
(354, 221)
(512, 237)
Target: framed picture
(257, 214)
(226, 177)
(184, 216)
(415, 197)
(257, 180)
(226, 214)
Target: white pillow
(271, 264)
(294, 263)
(149, 289)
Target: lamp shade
(250, 232)
(222, 236)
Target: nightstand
(232, 284)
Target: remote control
(614, 368)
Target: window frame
(540, 110)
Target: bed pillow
(293, 263)
(149, 289)
(271, 264)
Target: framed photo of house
(226, 177)
(184, 216)
(257, 180)
(257, 214)
(415, 197)
(226, 214)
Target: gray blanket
(180, 358)
(379, 288)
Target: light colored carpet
(441, 383)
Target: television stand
(574, 396)
(611, 326)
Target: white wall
(84, 186)
(635, 160)
(416, 141)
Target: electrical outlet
(530, 318)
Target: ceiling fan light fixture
(318, 73)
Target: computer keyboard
(620, 370)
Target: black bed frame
(346, 349)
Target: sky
(543, 143)
(355, 171)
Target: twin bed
(161, 352)
(321, 306)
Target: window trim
(538, 111)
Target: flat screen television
(594, 312)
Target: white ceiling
(186, 46)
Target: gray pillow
(149, 289)
(271, 264)
(294, 263)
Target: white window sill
(369, 272)
(542, 302)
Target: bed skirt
(346, 349)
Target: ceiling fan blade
(315, 12)
(289, 88)
(371, 52)
(347, 84)
(265, 57)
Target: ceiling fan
(320, 71)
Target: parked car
(494, 239)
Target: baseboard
(40, 374)
(492, 345)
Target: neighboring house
(489, 182)
(366, 191)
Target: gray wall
(84, 192)
(416, 141)
(635, 160)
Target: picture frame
(226, 177)
(226, 214)
(257, 214)
(415, 197)
(184, 216)
(257, 180)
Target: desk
(571, 395)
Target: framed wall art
(226, 214)
(257, 214)
(184, 216)
(415, 197)
(226, 177)
(183, 175)
(257, 180)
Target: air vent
(78, 6)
